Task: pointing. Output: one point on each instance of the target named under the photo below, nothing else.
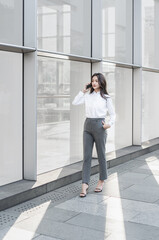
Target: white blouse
(95, 105)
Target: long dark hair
(102, 84)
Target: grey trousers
(94, 132)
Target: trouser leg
(100, 141)
(87, 156)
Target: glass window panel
(11, 21)
(117, 30)
(65, 26)
(120, 89)
(60, 124)
(150, 100)
(150, 33)
(10, 117)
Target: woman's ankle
(101, 182)
(85, 184)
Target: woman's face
(95, 83)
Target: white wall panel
(11, 21)
(119, 82)
(150, 100)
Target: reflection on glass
(150, 33)
(11, 20)
(120, 89)
(117, 30)
(150, 99)
(10, 117)
(64, 26)
(60, 124)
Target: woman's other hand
(105, 126)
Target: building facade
(48, 51)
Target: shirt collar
(96, 92)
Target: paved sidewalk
(126, 209)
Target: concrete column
(137, 74)
(137, 32)
(96, 29)
(156, 34)
(137, 106)
(30, 94)
(30, 23)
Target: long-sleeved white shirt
(95, 105)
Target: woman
(97, 103)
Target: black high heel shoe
(99, 189)
(82, 194)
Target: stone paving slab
(140, 207)
(62, 230)
(98, 210)
(122, 237)
(128, 230)
(149, 218)
(93, 198)
(43, 237)
(53, 214)
(152, 180)
(16, 234)
(141, 193)
(127, 165)
(131, 177)
(145, 169)
(150, 167)
(112, 188)
(157, 202)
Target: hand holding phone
(89, 85)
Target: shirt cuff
(110, 123)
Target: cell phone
(89, 86)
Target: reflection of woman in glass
(97, 103)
